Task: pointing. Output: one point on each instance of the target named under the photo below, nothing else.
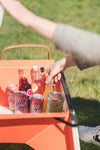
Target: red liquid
(23, 84)
(57, 87)
(44, 77)
(38, 86)
(42, 74)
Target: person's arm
(81, 44)
(25, 17)
(54, 70)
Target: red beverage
(36, 105)
(57, 87)
(21, 102)
(23, 81)
(34, 72)
(42, 74)
(38, 85)
(11, 89)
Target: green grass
(84, 86)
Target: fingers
(59, 75)
(54, 78)
(49, 77)
(54, 73)
(48, 70)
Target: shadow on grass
(87, 111)
(88, 114)
(9, 146)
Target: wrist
(68, 62)
(62, 64)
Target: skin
(55, 69)
(81, 44)
(44, 27)
(28, 19)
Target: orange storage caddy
(41, 131)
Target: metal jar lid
(55, 97)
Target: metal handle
(25, 45)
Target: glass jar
(54, 102)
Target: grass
(84, 86)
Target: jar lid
(55, 97)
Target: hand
(54, 71)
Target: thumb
(48, 70)
(49, 77)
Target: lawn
(84, 86)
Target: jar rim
(55, 96)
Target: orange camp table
(41, 131)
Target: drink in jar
(36, 105)
(23, 81)
(34, 72)
(57, 86)
(21, 102)
(37, 85)
(54, 102)
(11, 89)
(48, 88)
(42, 73)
